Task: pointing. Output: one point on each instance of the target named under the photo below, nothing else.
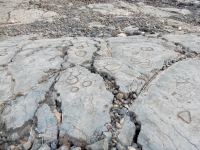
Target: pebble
(119, 96)
(27, 145)
(118, 125)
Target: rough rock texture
(85, 95)
(100, 145)
(134, 60)
(169, 109)
(107, 75)
(28, 16)
(47, 123)
(188, 41)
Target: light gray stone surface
(189, 41)
(108, 9)
(85, 102)
(189, 2)
(17, 112)
(169, 109)
(134, 60)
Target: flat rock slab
(189, 41)
(28, 70)
(134, 60)
(10, 14)
(85, 102)
(48, 90)
(169, 109)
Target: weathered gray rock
(190, 41)
(175, 10)
(127, 132)
(83, 50)
(134, 60)
(84, 94)
(130, 30)
(169, 109)
(19, 110)
(36, 145)
(47, 123)
(161, 12)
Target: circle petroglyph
(72, 80)
(74, 89)
(81, 53)
(87, 83)
(3, 52)
(146, 48)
